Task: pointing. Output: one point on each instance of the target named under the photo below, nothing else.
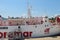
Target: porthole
(35, 26)
(18, 26)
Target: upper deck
(11, 21)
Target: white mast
(29, 10)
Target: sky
(18, 8)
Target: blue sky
(18, 8)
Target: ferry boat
(39, 26)
(36, 26)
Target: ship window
(4, 22)
(35, 26)
(3, 27)
(41, 22)
(27, 22)
(45, 25)
(45, 20)
(18, 26)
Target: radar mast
(29, 7)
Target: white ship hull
(37, 30)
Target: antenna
(29, 9)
